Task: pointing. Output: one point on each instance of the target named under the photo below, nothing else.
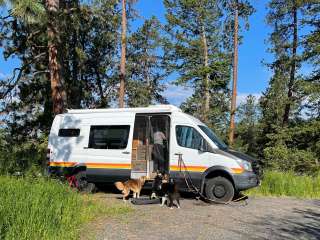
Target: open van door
(140, 147)
(148, 155)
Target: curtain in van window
(188, 137)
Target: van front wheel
(219, 189)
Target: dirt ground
(261, 218)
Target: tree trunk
(235, 77)
(57, 88)
(293, 66)
(206, 106)
(123, 55)
(76, 89)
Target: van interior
(150, 145)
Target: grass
(287, 184)
(47, 209)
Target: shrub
(282, 158)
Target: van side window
(109, 137)
(70, 132)
(188, 137)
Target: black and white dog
(166, 189)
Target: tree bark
(123, 55)
(57, 88)
(235, 76)
(76, 89)
(293, 66)
(206, 106)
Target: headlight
(245, 165)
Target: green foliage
(193, 49)
(145, 71)
(248, 128)
(30, 11)
(46, 209)
(311, 54)
(285, 135)
(295, 148)
(288, 184)
(18, 157)
(196, 45)
(187, 22)
(291, 159)
(199, 47)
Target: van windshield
(220, 144)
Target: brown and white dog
(134, 185)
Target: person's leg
(161, 160)
(155, 157)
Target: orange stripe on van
(62, 164)
(121, 166)
(109, 165)
(128, 166)
(92, 165)
(189, 168)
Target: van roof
(149, 109)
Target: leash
(192, 188)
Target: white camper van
(108, 145)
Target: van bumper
(245, 180)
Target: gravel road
(262, 218)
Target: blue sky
(253, 75)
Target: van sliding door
(150, 145)
(140, 147)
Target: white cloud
(241, 97)
(4, 76)
(177, 94)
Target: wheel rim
(219, 191)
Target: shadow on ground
(110, 188)
(300, 224)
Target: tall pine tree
(145, 70)
(194, 50)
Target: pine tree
(283, 16)
(248, 126)
(285, 125)
(311, 42)
(145, 72)
(194, 49)
(89, 63)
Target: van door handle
(126, 152)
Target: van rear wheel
(219, 189)
(81, 179)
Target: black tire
(219, 189)
(82, 182)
